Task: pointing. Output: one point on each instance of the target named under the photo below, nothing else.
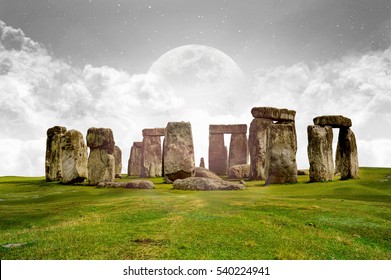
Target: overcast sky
(85, 63)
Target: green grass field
(334, 220)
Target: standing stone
(238, 150)
(202, 162)
(101, 162)
(281, 164)
(257, 143)
(152, 152)
(178, 151)
(118, 161)
(347, 148)
(320, 153)
(134, 163)
(74, 157)
(53, 163)
(217, 154)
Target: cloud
(39, 91)
(357, 86)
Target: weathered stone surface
(347, 148)
(136, 184)
(53, 163)
(135, 159)
(238, 150)
(100, 138)
(205, 173)
(228, 128)
(202, 162)
(333, 121)
(151, 161)
(154, 132)
(274, 114)
(178, 151)
(218, 160)
(239, 171)
(205, 184)
(74, 157)
(281, 164)
(320, 153)
(118, 161)
(257, 143)
(101, 162)
(101, 166)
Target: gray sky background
(85, 63)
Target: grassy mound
(334, 220)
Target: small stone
(239, 171)
(136, 184)
(202, 162)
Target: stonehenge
(101, 162)
(273, 145)
(178, 152)
(134, 162)
(320, 154)
(219, 160)
(151, 159)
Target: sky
(89, 63)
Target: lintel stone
(154, 131)
(228, 128)
(274, 114)
(335, 121)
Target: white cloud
(39, 91)
(358, 87)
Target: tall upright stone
(320, 153)
(218, 158)
(101, 162)
(347, 149)
(118, 161)
(178, 151)
(134, 162)
(151, 162)
(74, 157)
(281, 166)
(257, 143)
(272, 144)
(53, 163)
(238, 149)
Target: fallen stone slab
(206, 184)
(335, 121)
(136, 184)
(205, 173)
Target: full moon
(204, 78)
